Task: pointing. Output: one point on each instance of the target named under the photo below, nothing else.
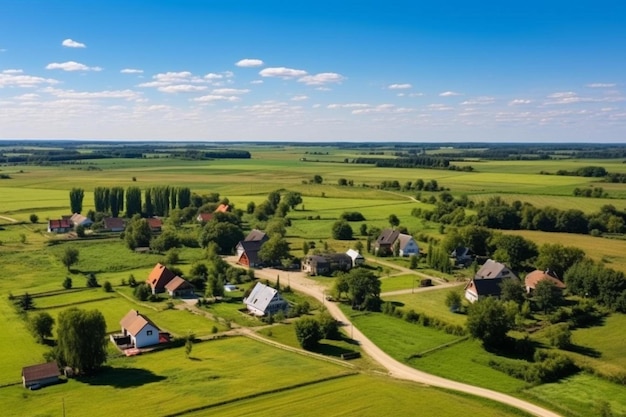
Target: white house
(265, 300)
(408, 245)
(141, 330)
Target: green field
(240, 377)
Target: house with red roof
(40, 375)
(535, 277)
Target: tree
(76, 199)
(363, 289)
(25, 302)
(81, 342)
(107, 286)
(293, 199)
(142, 292)
(274, 198)
(363, 229)
(226, 235)
(317, 179)
(40, 326)
(394, 221)
(514, 250)
(453, 301)
(138, 233)
(69, 257)
(250, 207)
(512, 290)
(560, 335)
(92, 281)
(558, 258)
(487, 320)
(67, 283)
(133, 201)
(413, 261)
(342, 230)
(305, 247)
(329, 327)
(34, 218)
(308, 332)
(547, 296)
(274, 250)
(189, 344)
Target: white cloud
(381, 108)
(478, 100)
(215, 97)
(440, 107)
(449, 94)
(68, 43)
(348, 106)
(282, 72)
(229, 91)
(399, 86)
(518, 101)
(13, 71)
(299, 98)
(600, 85)
(72, 94)
(213, 76)
(181, 88)
(249, 63)
(131, 71)
(27, 97)
(256, 82)
(71, 66)
(416, 94)
(10, 78)
(321, 78)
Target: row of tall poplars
(157, 200)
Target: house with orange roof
(535, 277)
(159, 277)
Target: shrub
(308, 332)
(67, 283)
(107, 286)
(142, 292)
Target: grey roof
(251, 249)
(256, 235)
(404, 240)
(493, 269)
(261, 296)
(316, 260)
(387, 237)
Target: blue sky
(531, 71)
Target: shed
(42, 374)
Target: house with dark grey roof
(326, 264)
(256, 235)
(488, 280)
(265, 300)
(389, 238)
(42, 374)
(248, 249)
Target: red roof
(204, 217)
(222, 208)
(41, 371)
(59, 224)
(154, 223)
(537, 276)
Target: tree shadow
(331, 350)
(397, 303)
(121, 377)
(584, 350)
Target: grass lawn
(580, 395)
(432, 303)
(354, 396)
(166, 382)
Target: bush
(67, 283)
(308, 332)
(560, 335)
(142, 292)
(92, 282)
(107, 286)
(352, 216)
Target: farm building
(113, 224)
(390, 238)
(357, 258)
(59, 226)
(204, 217)
(326, 264)
(42, 374)
(155, 224)
(265, 300)
(248, 249)
(78, 219)
(140, 329)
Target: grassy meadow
(238, 376)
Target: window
(149, 332)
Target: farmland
(241, 374)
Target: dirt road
(299, 282)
